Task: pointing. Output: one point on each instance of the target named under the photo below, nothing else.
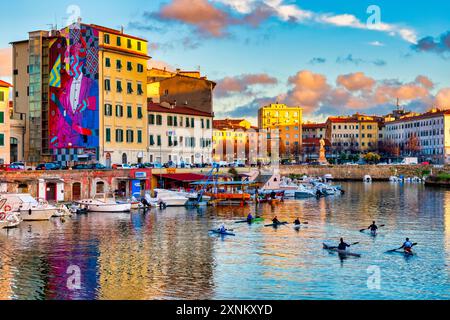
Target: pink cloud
(242, 83)
(443, 98)
(356, 81)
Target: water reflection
(170, 255)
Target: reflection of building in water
(447, 229)
(148, 262)
(6, 275)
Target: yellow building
(288, 120)
(357, 133)
(4, 123)
(123, 78)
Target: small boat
(340, 252)
(168, 198)
(275, 225)
(29, 208)
(226, 233)
(104, 203)
(367, 179)
(8, 220)
(405, 253)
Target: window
(193, 123)
(106, 39)
(2, 140)
(139, 136)
(107, 85)
(208, 124)
(108, 110)
(187, 123)
(169, 121)
(119, 41)
(130, 88)
(108, 62)
(2, 117)
(140, 92)
(159, 141)
(108, 135)
(170, 141)
(159, 120)
(151, 119)
(119, 86)
(152, 140)
(175, 121)
(119, 65)
(119, 135)
(139, 112)
(140, 68)
(129, 44)
(119, 111)
(129, 111)
(203, 123)
(129, 66)
(139, 46)
(130, 136)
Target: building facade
(426, 136)
(86, 94)
(184, 88)
(354, 134)
(236, 140)
(179, 135)
(4, 123)
(288, 120)
(314, 130)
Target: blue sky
(303, 47)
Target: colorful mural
(73, 80)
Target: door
(14, 150)
(76, 191)
(50, 194)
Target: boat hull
(126, 207)
(37, 214)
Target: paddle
(393, 250)
(362, 230)
(353, 244)
(276, 224)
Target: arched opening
(14, 150)
(124, 158)
(100, 187)
(23, 188)
(76, 191)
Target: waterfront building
(288, 121)
(314, 130)
(311, 149)
(183, 88)
(86, 96)
(179, 134)
(236, 140)
(426, 135)
(354, 134)
(4, 122)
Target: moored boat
(104, 203)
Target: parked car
(97, 166)
(82, 166)
(121, 167)
(10, 167)
(19, 165)
(46, 167)
(138, 166)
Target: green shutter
(2, 140)
(2, 117)
(108, 135)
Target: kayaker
(275, 220)
(373, 228)
(407, 246)
(297, 222)
(222, 229)
(343, 245)
(249, 218)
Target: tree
(389, 148)
(413, 145)
(372, 157)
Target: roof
(184, 177)
(228, 124)
(156, 107)
(179, 75)
(114, 31)
(5, 84)
(314, 125)
(430, 114)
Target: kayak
(255, 220)
(406, 254)
(226, 233)
(277, 224)
(341, 252)
(297, 226)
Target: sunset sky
(322, 55)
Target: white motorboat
(304, 192)
(167, 198)
(367, 179)
(104, 203)
(8, 219)
(29, 208)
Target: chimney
(121, 29)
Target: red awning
(183, 177)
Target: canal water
(170, 255)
